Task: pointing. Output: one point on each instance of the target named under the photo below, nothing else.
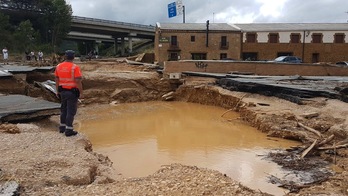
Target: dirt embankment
(320, 121)
(44, 162)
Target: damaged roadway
(292, 88)
(44, 162)
(20, 108)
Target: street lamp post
(183, 14)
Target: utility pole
(207, 34)
(303, 45)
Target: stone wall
(258, 68)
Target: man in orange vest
(69, 90)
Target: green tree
(5, 31)
(24, 5)
(51, 17)
(25, 37)
(59, 18)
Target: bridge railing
(149, 27)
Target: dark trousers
(68, 108)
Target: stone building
(197, 41)
(313, 42)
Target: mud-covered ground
(44, 162)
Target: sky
(148, 12)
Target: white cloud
(233, 16)
(273, 8)
(91, 5)
(231, 11)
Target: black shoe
(69, 133)
(61, 129)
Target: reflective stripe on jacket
(67, 72)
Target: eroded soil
(44, 162)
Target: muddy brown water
(140, 137)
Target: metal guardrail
(148, 27)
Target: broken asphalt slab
(292, 88)
(9, 70)
(20, 108)
(5, 74)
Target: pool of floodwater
(140, 137)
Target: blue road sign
(172, 10)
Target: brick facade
(186, 47)
(240, 49)
(308, 51)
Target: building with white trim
(313, 42)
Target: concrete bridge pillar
(115, 45)
(122, 46)
(130, 44)
(96, 49)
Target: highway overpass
(83, 28)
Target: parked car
(342, 63)
(287, 59)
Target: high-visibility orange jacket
(68, 72)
